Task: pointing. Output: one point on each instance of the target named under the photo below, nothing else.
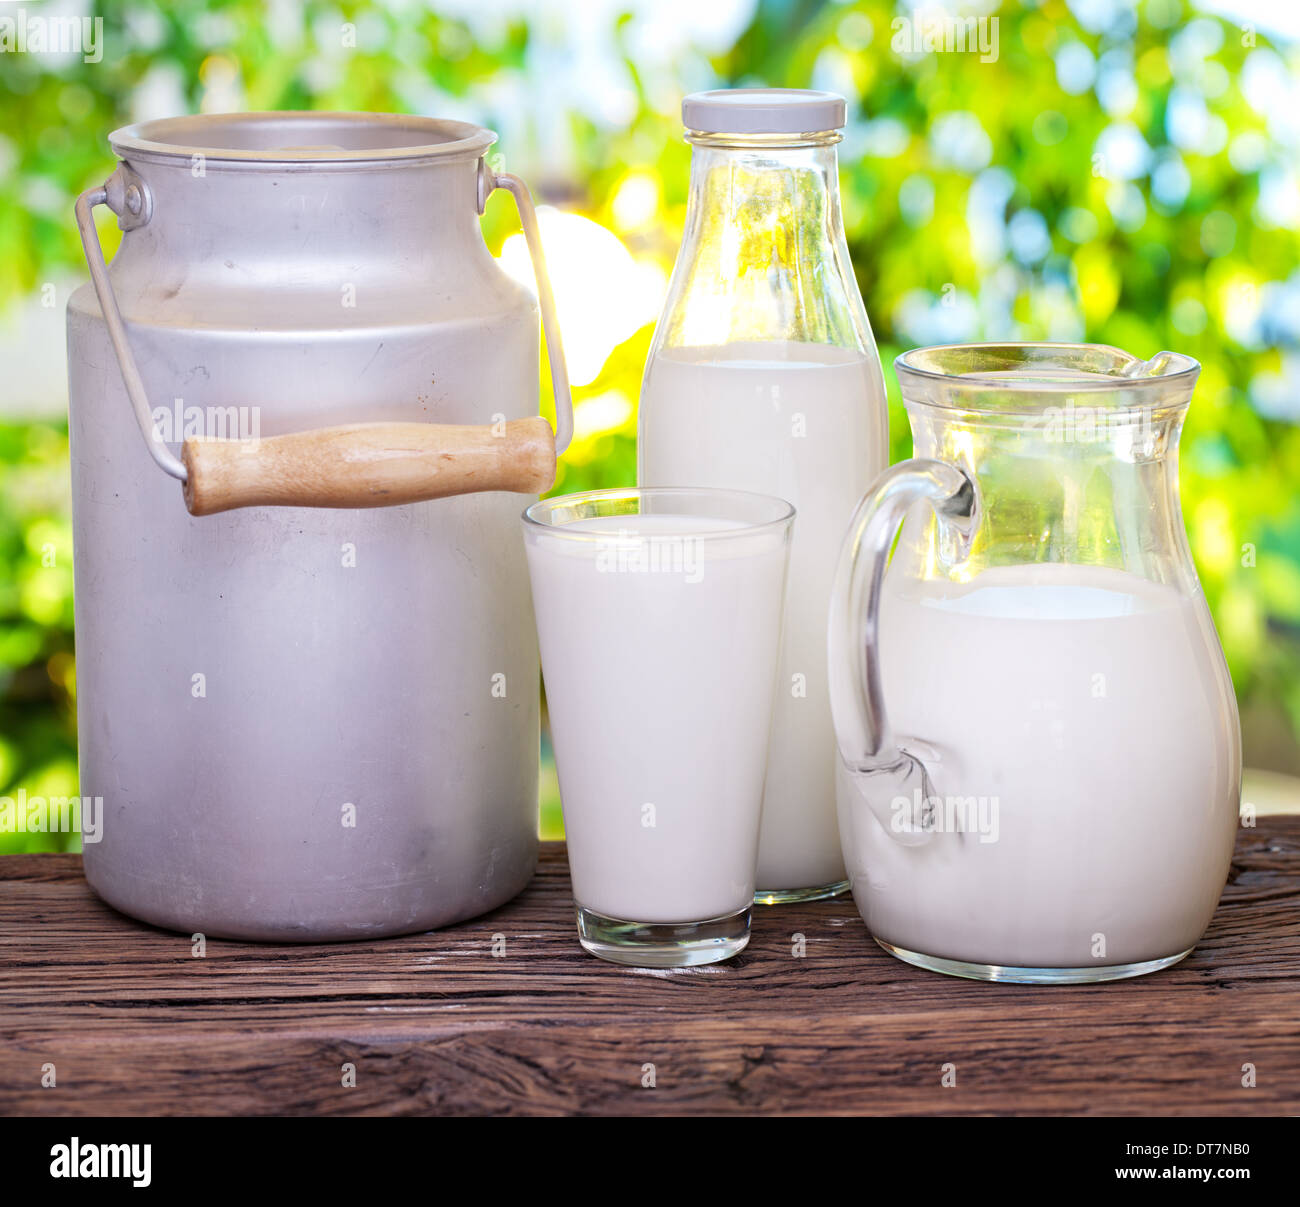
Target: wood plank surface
(133, 1023)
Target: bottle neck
(764, 189)
(763, 255)
(763, 142)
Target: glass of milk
(659, 621)
(1041, 757)
(763, 375)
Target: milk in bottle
(764, 376)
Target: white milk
(1084, 709)
(802, 422)
(659, 686)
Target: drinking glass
(659, 620)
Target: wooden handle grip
(368, 465)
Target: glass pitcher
(1041, 756)
(764, 376)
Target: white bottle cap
(763, 111)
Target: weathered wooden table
(133, 1023)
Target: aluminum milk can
(307, 684)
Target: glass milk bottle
(764, 376)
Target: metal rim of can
(385, 139)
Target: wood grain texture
(435, 1023)
(368, 465)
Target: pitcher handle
(862, 731)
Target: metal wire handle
(129, 198)
(545, 296)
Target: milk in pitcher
(1084, 782)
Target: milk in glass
(658, 638)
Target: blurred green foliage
(1121, 173)
(37, 701)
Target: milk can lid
(763, 111)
